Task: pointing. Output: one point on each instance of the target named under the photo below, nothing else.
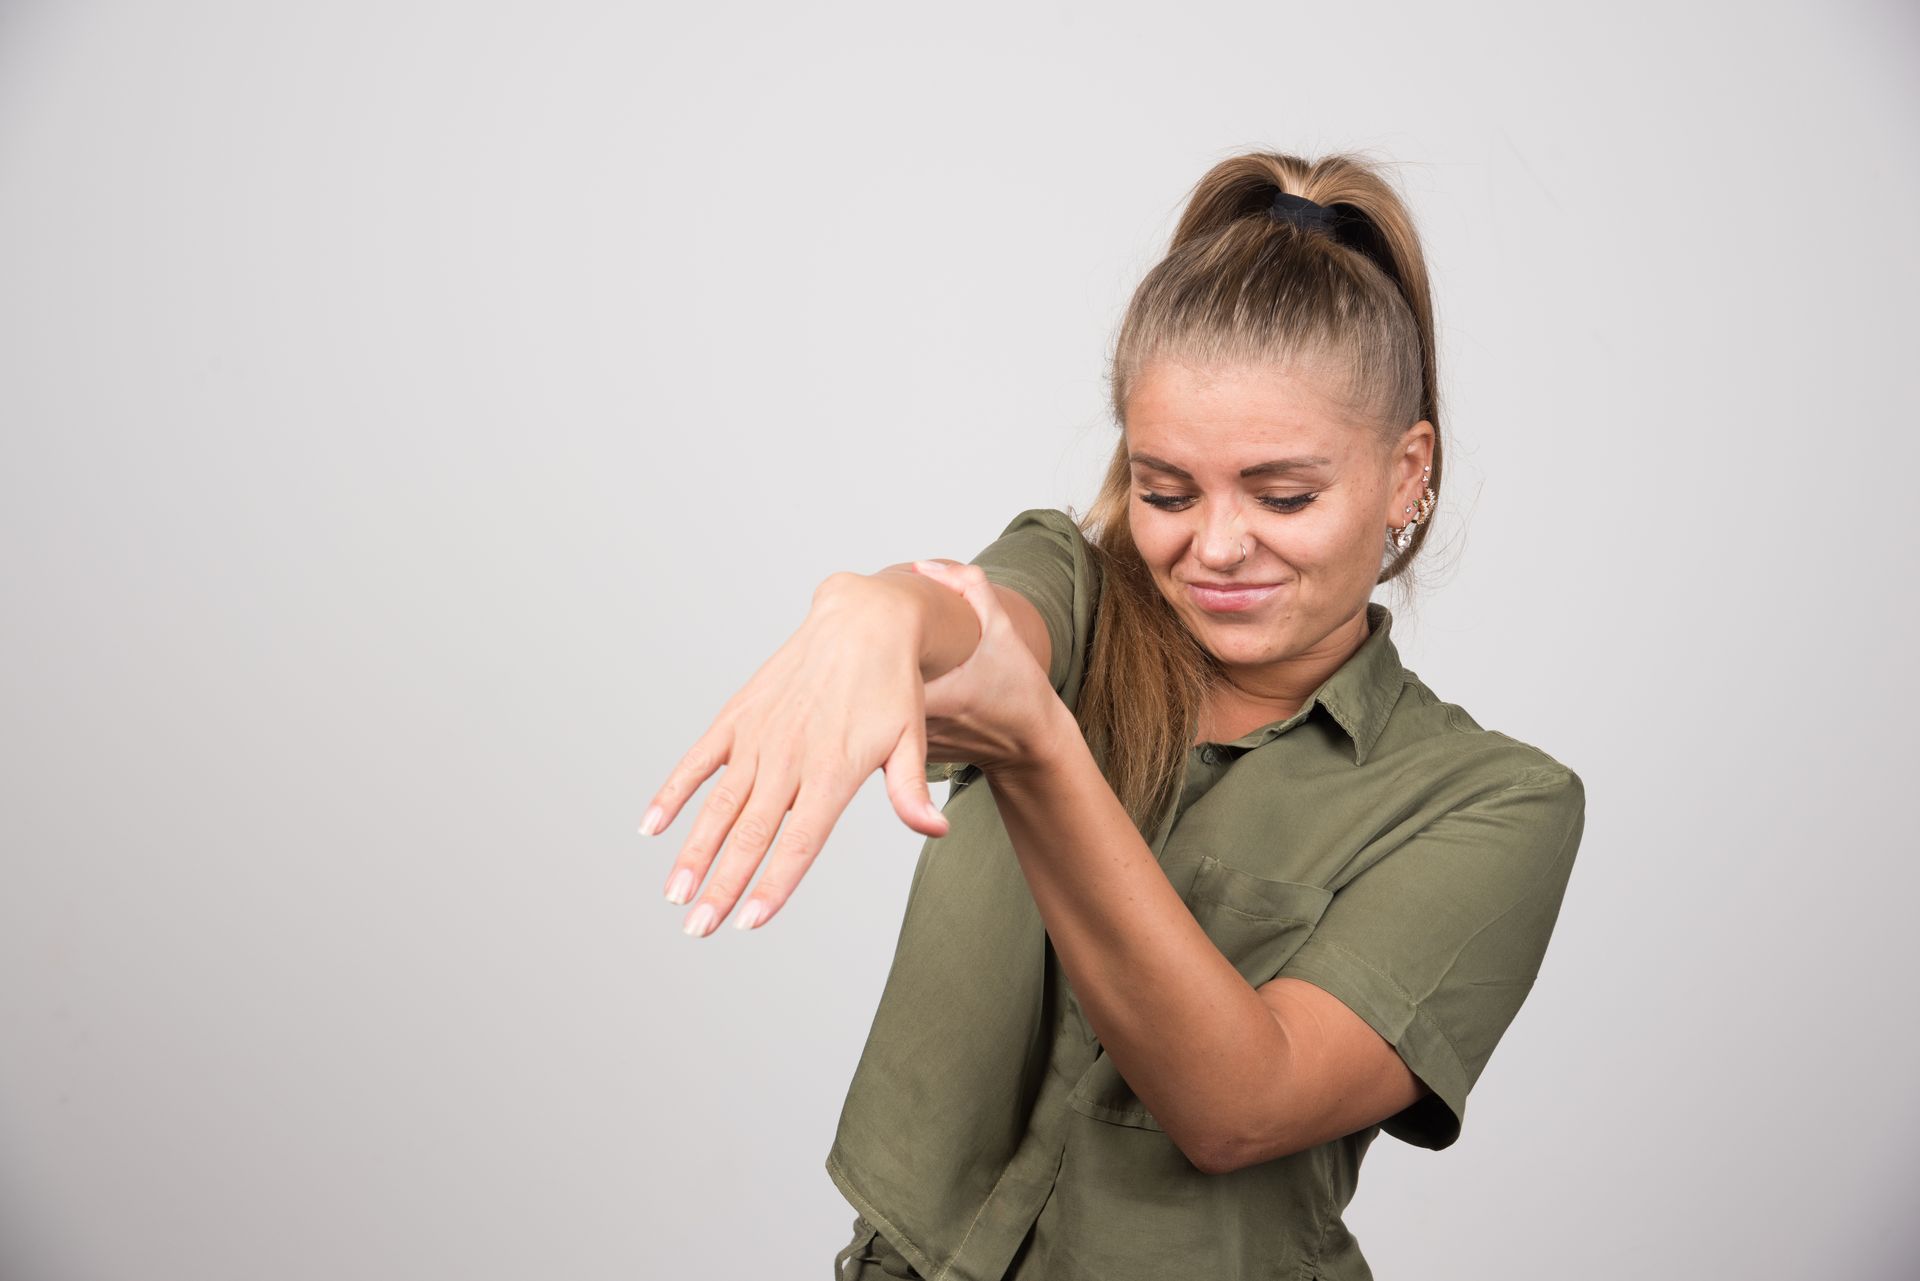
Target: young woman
(1221, 890)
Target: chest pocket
(1257, 923)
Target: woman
(1222, 890)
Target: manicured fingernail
(700, 923)
(650, 824)
(751, 916)
(927, 566)
(680, 888)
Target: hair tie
(1304, 213)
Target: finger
(906, 775)
(940, 570)
(747, 844)
(822, 799)
(707, 754)
(725, 800)
(971, 582)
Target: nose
(1222, 538)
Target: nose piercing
(1243, 542)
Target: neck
(1249, 697)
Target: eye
(1174, 503)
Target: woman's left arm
(1234, 1075)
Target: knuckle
(798, 843)
(837, 579)
(752, 832)
(725, 888)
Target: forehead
(1201, 416)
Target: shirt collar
(1360, 696)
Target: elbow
(1214, 1152)
(1225, 1151)
(1209, 1160)
(1206, 1149)
(1218, 1157)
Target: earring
(1401, 539)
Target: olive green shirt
(1378, 843)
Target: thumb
(906, 777)
(969, 580)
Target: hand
(841, 698)
(992, 710)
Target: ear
(1412, 455)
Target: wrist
(939, 623)
(1040, 750)
(869, 596)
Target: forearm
(1186, 1030)
(942, 622)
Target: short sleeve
(1437, 944)
(1043, 555)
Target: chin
(1234, 649)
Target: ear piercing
(1401, 539)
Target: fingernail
(680, 888)
(650, 824)
(701, 921)
(751, 916)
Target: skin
(1324, 551)
(884, 674)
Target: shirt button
(1211, 755)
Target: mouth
(1235, 598)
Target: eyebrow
(1275, 467)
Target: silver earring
(1401, 539)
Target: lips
(1233, 599)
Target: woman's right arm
(843, 696)
(946, 617)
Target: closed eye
(1173, 503)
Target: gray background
(416, 419)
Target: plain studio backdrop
(417, 419)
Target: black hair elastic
(1305, 213)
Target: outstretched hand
(841, 698)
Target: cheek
(1158, 543)
(1314, 545)
(1328, 547)
(1323, 544)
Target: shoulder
(1057, 519)
(1043, 536)
(1431, 737)
(1045, 556)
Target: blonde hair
(1239, 286)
